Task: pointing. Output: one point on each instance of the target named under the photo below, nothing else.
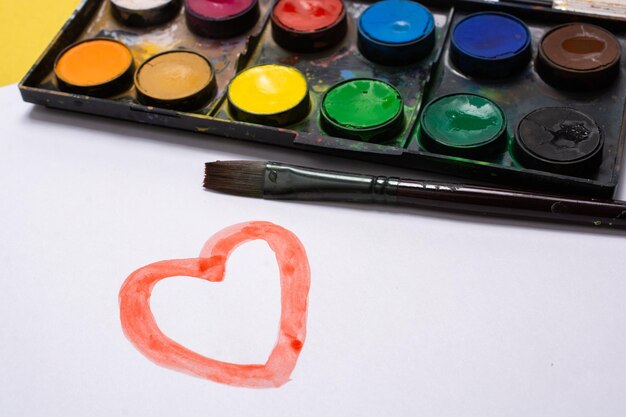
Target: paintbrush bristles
(244, 178)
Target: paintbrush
(277, 181)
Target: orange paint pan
(98, 67)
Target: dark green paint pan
(464, 125)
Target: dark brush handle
(289, 182)
(510, 203)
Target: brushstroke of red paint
(142, 330)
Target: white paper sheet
(410, 312)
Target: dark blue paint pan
(490, 45)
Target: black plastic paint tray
(417, 83)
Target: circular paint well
(140, 4)
(308, 25)
(465, 125)
(559, 139)
(490, 45)
(270, 94)
(396, 32)
(95, 66)
(364, 109)
(175, 79)
(143, 13)
(218, 9)
(308, 15)
(221, 18)
(579, 55)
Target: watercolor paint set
(514, 93)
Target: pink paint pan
(221, 18)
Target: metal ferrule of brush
(283, 182)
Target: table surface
(411, 312)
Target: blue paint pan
(490, 45)
(396, 32)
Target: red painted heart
(142, 330)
